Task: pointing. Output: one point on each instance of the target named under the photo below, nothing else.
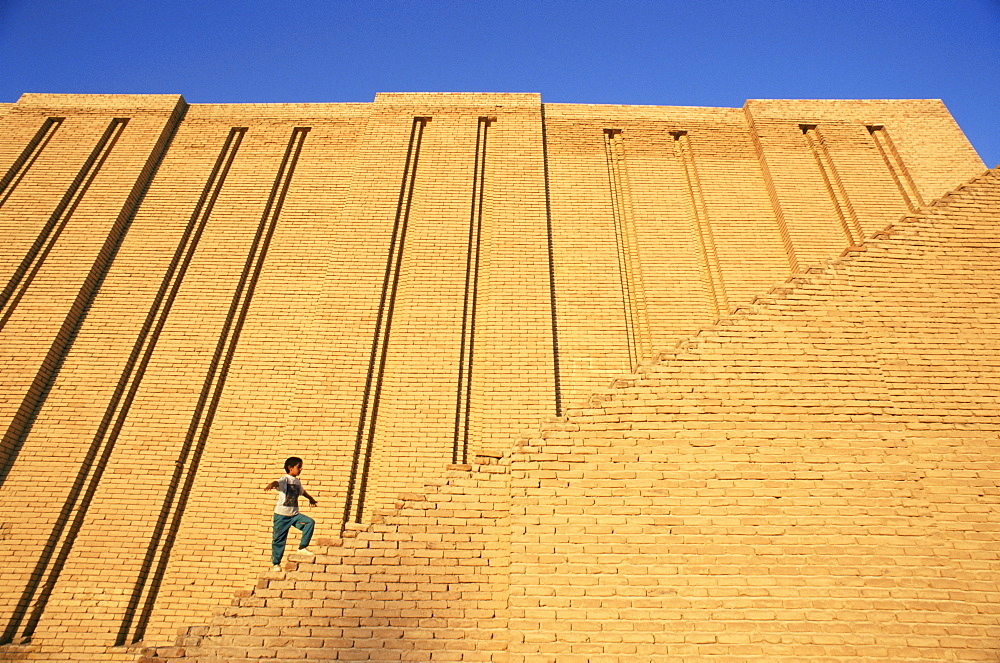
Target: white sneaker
(276, 568)
(305, 551)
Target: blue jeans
(281, 527)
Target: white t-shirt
(289, 489)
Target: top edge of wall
(168, 102)
(800, 105)
(622, 113)
(129, 102)
(755, 103)
(458, 98)
(571, 105)
(842, 101)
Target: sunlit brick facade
(572, 382)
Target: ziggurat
(572, 382)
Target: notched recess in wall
(463, 394)
(708, 258)
(179, 489)
(357, 483)
(849, 223)
(51, 364)
(640, 342)
(896, 167)
(772, 193)
(35, 395)
(28, 156)
(73, 512)
(35, 257)
(557, 390)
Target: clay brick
(813, 470)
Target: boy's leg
(306, 524)
(278, 536)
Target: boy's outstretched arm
(309, 497)
(271, 486)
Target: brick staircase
(425, 581)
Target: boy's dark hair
(292, 462)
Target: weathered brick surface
(390, 288)
(814, 478)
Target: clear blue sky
(687, 53)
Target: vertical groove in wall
(357, 483)
(21, 422)
(897, 169)
(630, 270)
(552, 268)
(849, 223)
(463, 395)
(772, 194)
(61, 537)
(708, 257)
(89, 475)
(27, 158)
(53, 228)
(175, 500)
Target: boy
(286, 513)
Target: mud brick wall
(716, 205)
(193, 293)
(812, 479)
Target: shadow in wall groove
(708, 254)
(629, 265)
(849, 223)
(772, 193)
(27, 158)
(63, 537)
(38, 391)
(47, 237)
(161, 543)
(896, 166)
(463, 395)
(23, 419)
(368, 417)
(552, 268)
